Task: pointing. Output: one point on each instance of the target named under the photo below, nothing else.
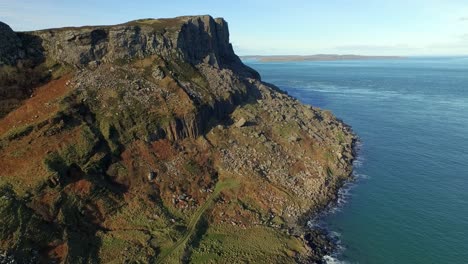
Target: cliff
(192, 39)
(151, 141)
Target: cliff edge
(151, 141)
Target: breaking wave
(344, 195)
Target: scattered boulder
(240, 123)
(151, 175)
(158, 73)
(293, 138)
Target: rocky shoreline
(325, 244)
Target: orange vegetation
(81, 187)
(38, 107)
(59, 252)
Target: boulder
(158, 73)
(294, 138)
(240, 123)
(151, 175)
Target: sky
(286, 27)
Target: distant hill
(317, 57)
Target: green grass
(157, 25)
(192, 167)
(286, 130)
(328, 155)
(122, 246)
(20, 228)
(341, 137)
(226, 184)
(174, 253)
(82, 149)
(230, 244)
(57, 70)
(81, 153)
(18, 132)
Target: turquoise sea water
(410, 200)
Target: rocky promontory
(150, 141)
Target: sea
(409, 200)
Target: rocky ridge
(151, 138)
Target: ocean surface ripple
(409, 202)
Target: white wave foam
(361, 176)
(357, 163)
(344, 194)
(375, 92)
(332, 260)
(335, 234)
(346, 90)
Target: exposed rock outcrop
(20, 55)
(10, 44)
(192, 39)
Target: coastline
(323, 241)
(317, 57)
(259, 168)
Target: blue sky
(368, 27)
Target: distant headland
(317, 57)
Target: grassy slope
(81, 169)
(172, 254)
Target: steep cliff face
(9, 45)
(20, 55)
(151, 141)
(191, 39)
(184, 43)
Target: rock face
(19, 57)
(9, 45)
(18, 47)
(192, 39)
(241, 122)
(136, 138)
